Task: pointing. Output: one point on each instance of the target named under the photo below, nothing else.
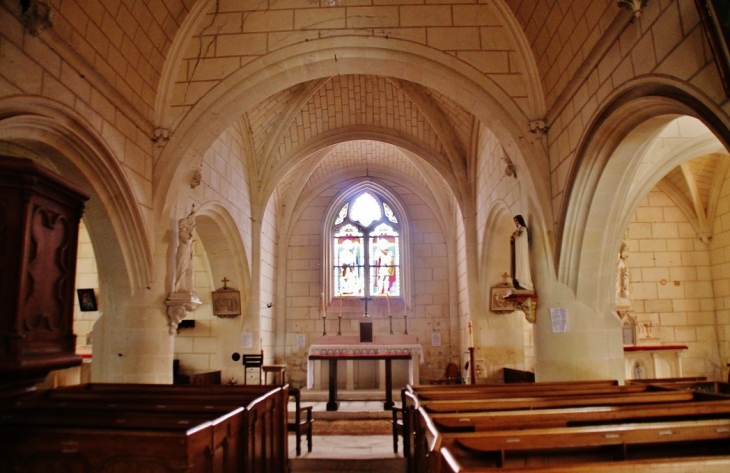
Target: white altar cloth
(414, 349)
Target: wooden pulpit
(39, 222)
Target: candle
(471, 336)
(324, 314)
(340, 315)
(387, 299)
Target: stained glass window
(366, 248)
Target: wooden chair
(398, 428)
(302, 423)
(252, 362)
(451, 376)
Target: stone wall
(671, 281)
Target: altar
(653, 361)
(329, 351)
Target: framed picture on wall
(715, 15)
(226, 303)
(87, 300)
(498, 303)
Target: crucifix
(366, 299)
(225, 282)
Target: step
(339, 465)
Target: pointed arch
(606, 161)
(61, 137)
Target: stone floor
(351, 453)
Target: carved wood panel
(39, 221)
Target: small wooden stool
(279, 372)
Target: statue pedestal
(178, 304)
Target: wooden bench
(567, 417)
(546, 409)
(78, 441)
(512, 375)
(705, 464)
(447, 394)
(517, 403)
(261, 444)
(553, 385)
(521, 448)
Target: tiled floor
(347, 446)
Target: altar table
(332, 403)
(332, 353)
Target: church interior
(278, 177)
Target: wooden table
(278, 372)
(332, 403)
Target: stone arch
(497, 231)
(523, 58)
(383, 135)
(224, 247)
(606, 161)
(117, 229)
(314, 59)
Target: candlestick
(339, 325)
(471, 336)
(324, 314)
(340, 314)
(390, 317)
(324, 325)
(387, 299)
(405, 319)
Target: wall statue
(520, 256)
(622, 275)
(184, 256)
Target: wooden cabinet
(39, 221)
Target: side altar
(347, 350)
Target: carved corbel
(526, 301)
(633, 6)
(160, 136)
(539, 127)
(37, 16)
(178, 305)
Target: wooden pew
(522, 448)
(705, 464)
(512, 375)
(552, 385)
(71, 441)
(447, 394)
(553, 410)
(517, 403)
(567, 417)
(261, 444)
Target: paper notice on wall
(559, 319)
(436, 339)
(246, 340)
(301, 341)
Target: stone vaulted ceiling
(353, 123)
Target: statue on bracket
(520, 256)
(183, 299)
(622, 276)
(184, 256)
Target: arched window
(366, 248)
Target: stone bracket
(178, 305)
